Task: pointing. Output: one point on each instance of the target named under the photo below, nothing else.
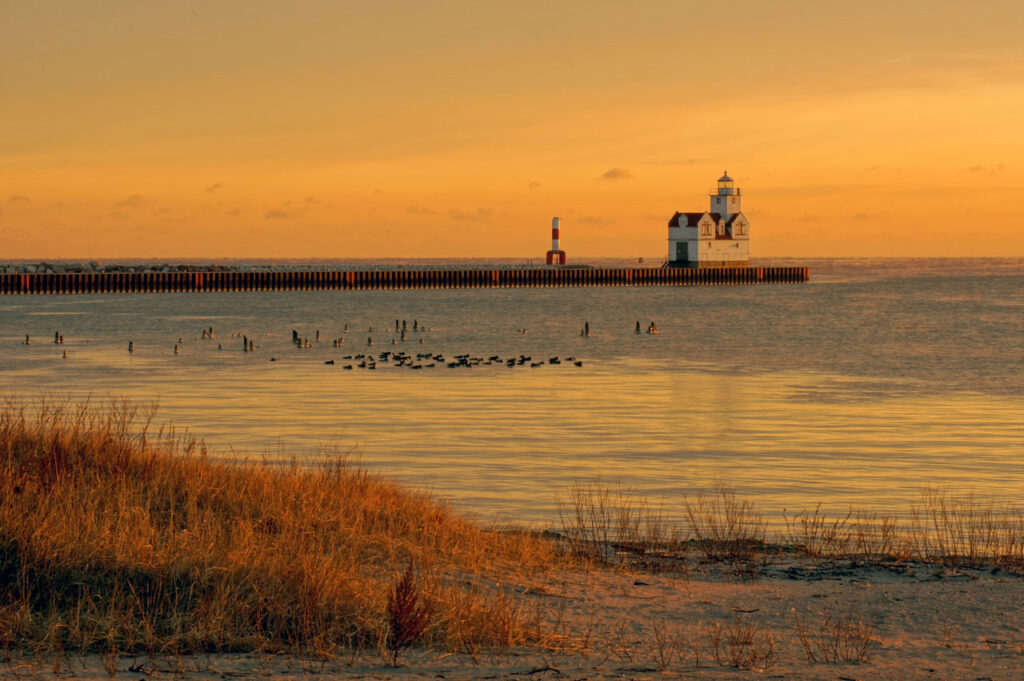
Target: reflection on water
(849, 390)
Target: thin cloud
(213, 187)
(478, 214)
(672, 161)
(998, 168)
(133, 201)
(964, 67)
(278, 215)
(616, 174)
(594, 220)
(533, 185)
(420, 210)
(19, 198)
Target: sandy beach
(919, 622)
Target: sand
(921, 622)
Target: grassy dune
(113, 538)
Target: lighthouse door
(682, 253)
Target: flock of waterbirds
(429, 360)
(421, 360)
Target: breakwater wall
(313, 280)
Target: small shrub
(408, 614)
(878, 537)
(612, 526)
(964, 531)
(837, 638)
(741, 645)
(729, 529)
(816, 535)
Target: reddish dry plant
(409, 613)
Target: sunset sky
(417, 129)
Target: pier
(353, 279)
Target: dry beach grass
(118, 543)
(116, 540)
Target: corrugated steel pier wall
(194, 282)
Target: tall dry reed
(610, 526)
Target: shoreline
(140, 554)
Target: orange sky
(394, 128)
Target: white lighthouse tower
(726, 200)
(718, 238)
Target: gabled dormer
(738, 226)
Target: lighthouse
(719, 237)
(555, 255)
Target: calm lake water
(858, 388)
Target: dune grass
(114, 538)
